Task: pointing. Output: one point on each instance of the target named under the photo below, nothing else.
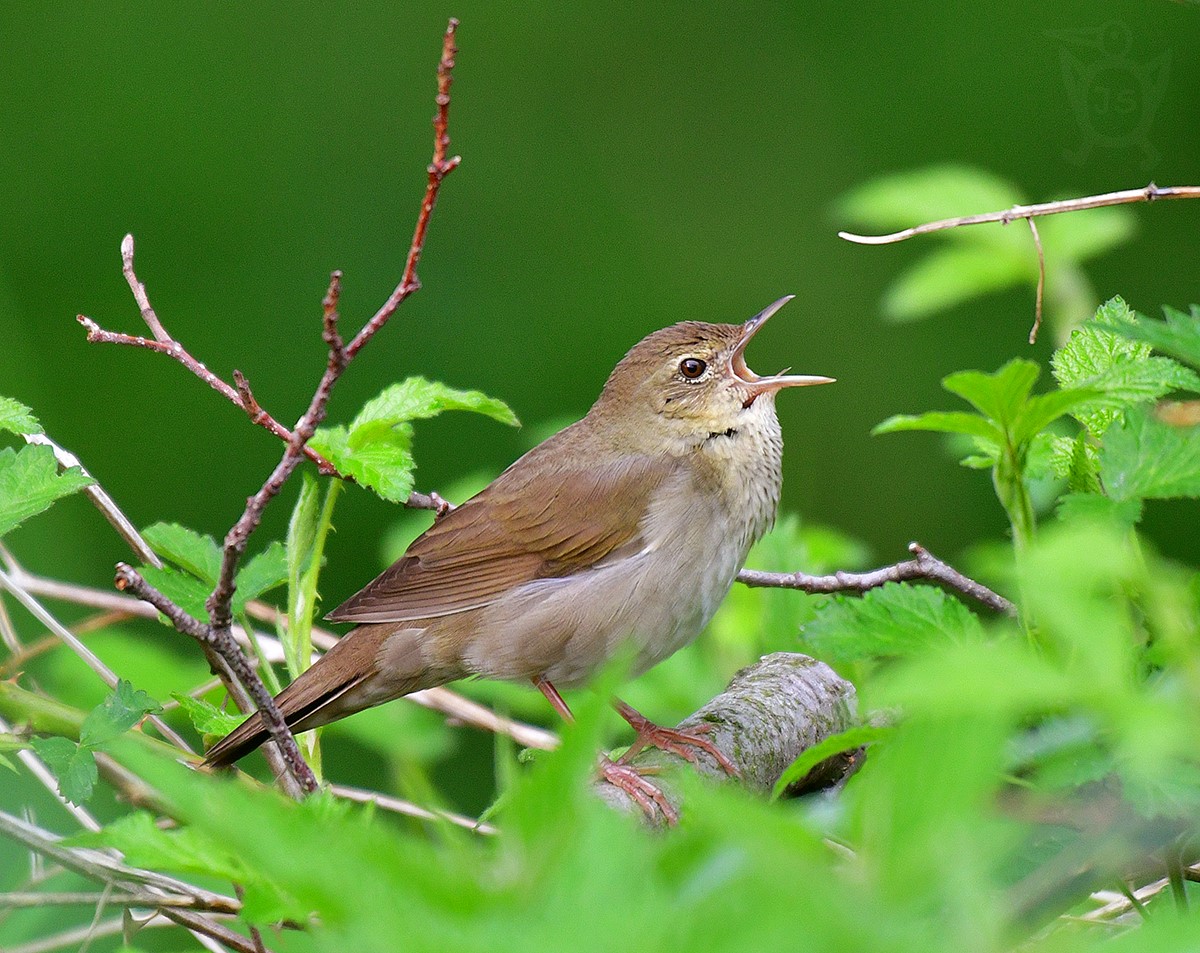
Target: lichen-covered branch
(771, 713)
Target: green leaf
(205, 717)
(998, 396)
(262, 573)
(1041, 410)
(1120, 369)
(73, 765)
(199, 555)
(1084, 234)
(384, 463)
(951, 275)
(893, 620)
(377, 447)
(956, 421)
(15, 417)
(124, 707)
(185, 590)
(839, 743)
(1146, 458)
(30, 483)
(145, 844)
(1178, 335)
(922, 195)
(417, 398)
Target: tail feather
(322, 694)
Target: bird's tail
(346, 680)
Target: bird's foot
(679, 741)
(645, 794)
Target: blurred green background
(625, 166)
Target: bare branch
(107, 675)
(104, 503)
(1150, 193)
(139, 293)
(924, 566)
(769, 715)
(1041, 285)
(408, 809)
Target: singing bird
(620, 534)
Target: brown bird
(621, 533)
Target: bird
(620, 535)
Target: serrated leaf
(73, 765)
(205, 717)
(839, 743)
(30, 483)
(950, 421)
(1178, 335)
(198, 554)
(1077, 461)
(1120, 369)
(417, 398)
(380, 457)
(922, 195)
(999, 395)
(1145, 458)
(1041, 410)
(949, 276)
(124, 707)
(15, 417)
(262, 573)
(182, 588)
(183, 850)
(894, 620)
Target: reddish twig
(439, 168)
(216, 636)
(924, 565)
(1149, 193)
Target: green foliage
(206, 717)
(1008, 421)
(16, 418)
(30, 484)
(978, 259)
(198, 561)
(74, 765)
(1178, 335)
(376, 449)
(1144, 458)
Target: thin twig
(1041, 284)
(139, 293)
(924, 566)
(1149, 193)
(107, 675)
(408, 809)
(103, 502)
(129, 899)
(45, 777)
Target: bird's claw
(646, 795)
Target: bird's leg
(674, 740)
(649, 797)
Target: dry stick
(107, 675)
(217, 635)
(1041, 285)
(924, 566)
(1150, 193)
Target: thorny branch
(217, 635)
(1149, 193)
(923, 565)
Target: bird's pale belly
(649, 605)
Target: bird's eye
(692, 368)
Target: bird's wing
(533, 522)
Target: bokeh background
(625, 166)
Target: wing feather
(497, 540)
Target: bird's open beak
(761, 385)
